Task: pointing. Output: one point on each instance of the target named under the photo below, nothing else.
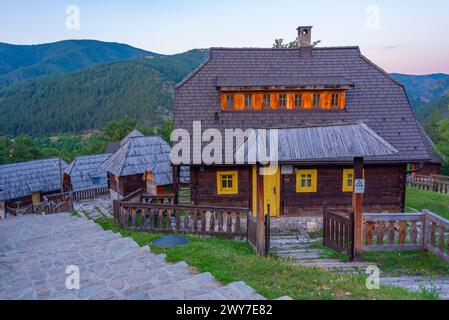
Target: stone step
(301, 256)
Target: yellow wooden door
(271, 185)
(272, 194)
(36, 197)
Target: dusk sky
(400, 36)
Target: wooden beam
(357, 208)
(260, 213)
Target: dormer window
(282, 101)
(248, 101)
(298, 101)
(285, 100)
(316, 102)
(266, 101)
(230, 101)
(335, 101)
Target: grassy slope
(436, 202)
(231, 261)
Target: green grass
(408, 263)
(438, 203)
(272, 277)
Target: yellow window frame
(347, 173)
(232, 176)
(311, 180)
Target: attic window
(282, 100)
(266, 101)
(316, 103)
(248, 101)
(335, 100)
(298, 100)
(230, 101)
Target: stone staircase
(36, 250)
(301, 250)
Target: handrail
(133, 195)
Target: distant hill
(441, 105)
(87, 99)
(22, 62)
(424, 89)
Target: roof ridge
(385, 73)
(283, 49)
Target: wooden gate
(252, 231)
(338, 232)
(252, 237)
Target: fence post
(267, 231)
(115, 210)
(424, 229)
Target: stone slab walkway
(438, 286)
(301, 251)
(35, 252)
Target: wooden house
(85, 173)
(330, 93)
(127, 167)
(22, 184)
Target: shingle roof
(376, 100)
(136, 155)
(263, 81)
(133, 134)
(23, 179)
(83, 169)
(321, 143)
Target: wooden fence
(407, 231)
(184, 219)
(338, 232)
(436, 183)
(90, 194)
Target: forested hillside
(422, 89)
(22, 62)
(439, 106)
(87, 99)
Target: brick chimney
(305, 40)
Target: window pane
(282, 100)
(266, 100)
(248, 100)
(298, 100)
(316, 100)
(230, 101)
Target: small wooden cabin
(85, 173)
(308, 86)
(22, 184)
(126, 168)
